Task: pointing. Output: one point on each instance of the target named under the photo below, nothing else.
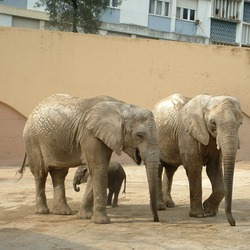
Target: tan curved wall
(11, 140)
(35, 64)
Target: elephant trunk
(152, 167)
(229, 149)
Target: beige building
(36, 63)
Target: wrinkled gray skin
(64, 132)
(116, 176)
(202, 131)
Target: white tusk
(217, 143)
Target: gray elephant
(196, 132)
(65, 131)
(116, 176)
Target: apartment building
(199, 21)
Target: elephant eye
(140, 136)
(213, 122)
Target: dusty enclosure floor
(131, 223)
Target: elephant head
(220, 117)
(81, 176)
(141, 144)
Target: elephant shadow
(137, 213)
(179, 214)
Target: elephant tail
(125, 182)
(21, 170)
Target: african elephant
(64, 131)
(196, 132)
(116, 176)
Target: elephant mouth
(137, 156)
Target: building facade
(201, 21)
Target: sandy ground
(131, 226)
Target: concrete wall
(11, 140)
(35, 64)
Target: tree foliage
(75, 15)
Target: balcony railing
(227, 9)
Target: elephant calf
(116, 175)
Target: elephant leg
(115, 200)
(193, 167)
(98, 168)
(109, 198)
(160, 202)
(60, 203)
(116, 191)
(41, 201)
(214, 172)
(100, 194)
(167, 185)
(86, 207)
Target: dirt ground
(131, 223)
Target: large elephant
(196, 132)
(65, 131)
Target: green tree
(76, 15)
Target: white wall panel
(135, 12)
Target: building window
(246, 34)
(246, 13)
(178, 12)
(226, 9)
(160, 8)
(223, 32)
(185, 14)
(192, 15)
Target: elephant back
(166, 114)
(166, 111)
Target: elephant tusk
(217, 143)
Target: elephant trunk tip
(76, 188)
(231, 219)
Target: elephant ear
(193, 119)
(105, 123)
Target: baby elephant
(116, 175)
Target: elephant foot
(84, 214)
(170, 203)
(62, 212)
(100, 218)
(62, 209)
(210, 208)
(115, 205)
(161, 207)
(42, 210)
(198, 213)
(168, 200)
